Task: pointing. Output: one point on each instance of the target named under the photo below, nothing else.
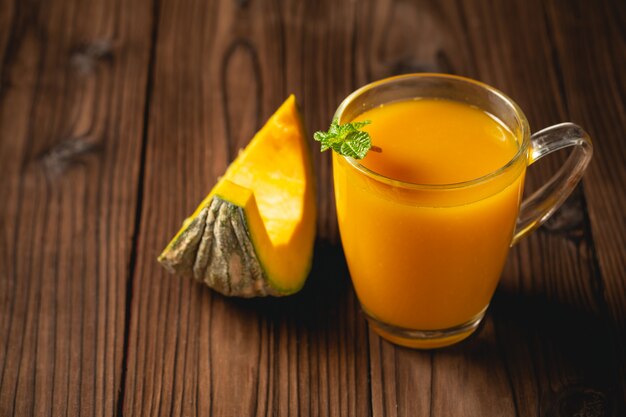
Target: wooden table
(117, 117)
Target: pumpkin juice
(421, 255)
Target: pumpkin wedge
(253, 234)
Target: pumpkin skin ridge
(251, 252)
(171, 258)
(272, 287)
(231, 219)
(203, 255)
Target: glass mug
(425, 259)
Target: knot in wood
(57, 158)
(580, 401)
(85, 57)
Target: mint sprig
(346, 139)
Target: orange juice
(428, 255)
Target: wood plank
(595, 86)
(528, 359)
(72, 96)
(75, 90)
(221, 69)
(549, 294)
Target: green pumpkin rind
(215, 249)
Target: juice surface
(429, 259)
(431, 141)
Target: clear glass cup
(437, 297)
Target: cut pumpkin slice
(253, 234)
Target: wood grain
(71, 110)
(116, 118)
(602, 109)
(550, 294)
(192, 352)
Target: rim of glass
(519, 115)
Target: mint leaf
(356, 144)
(346, 139)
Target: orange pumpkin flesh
(270, 185)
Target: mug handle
(537, 208)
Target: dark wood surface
(117, 117)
